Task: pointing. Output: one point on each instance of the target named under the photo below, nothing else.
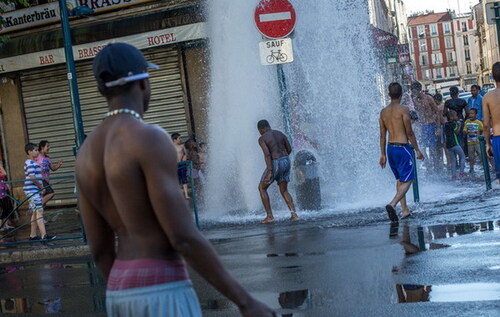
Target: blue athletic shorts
(495, 144)
(400, 161)
(182, 174)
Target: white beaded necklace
(123, 110)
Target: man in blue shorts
(395, 119)
(491, 116)
(276, 150)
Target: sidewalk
(64, 223)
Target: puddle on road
(411, 293)
(65, 286)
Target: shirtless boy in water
(182, 172)
(138, 225)
(395, 119)
(276, 150)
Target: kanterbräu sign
(49, 13)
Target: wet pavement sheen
(425, 266)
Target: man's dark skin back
(127, 184)
(277, 143)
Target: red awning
(382, 38)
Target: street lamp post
(71, 74)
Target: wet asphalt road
(443, 262)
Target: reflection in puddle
(52, 305)
(293, 299)
(450, 231)
(23, 305)
(274, 255)
(14, 305)
(410, 293)
(413, 239)
(290, 302)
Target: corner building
(433, 49)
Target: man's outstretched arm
(383, 142)
(410, 134)
(288, 147)
(487, 124)
(267, 159)
(157, 158)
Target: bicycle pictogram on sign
(276, 56)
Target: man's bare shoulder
(492, 96)
(394, 108)
(138, 136)
(150, 136)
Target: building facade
(35, 99)
(489, 50)
(467, 50)
(433, 49)
(388, 19)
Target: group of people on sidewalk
(37, 189)
(461, 133)
(450, 127)
(37, 169)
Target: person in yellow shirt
(473, 128)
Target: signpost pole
(73, 84)
(285, 105)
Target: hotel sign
(49, 13)
(156, 38)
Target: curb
(44, 254)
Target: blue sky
(438, 5)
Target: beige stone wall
(196, 63)
(14, 135)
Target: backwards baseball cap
(119, 63)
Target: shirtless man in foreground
(491, 117)
(127, 184)
(395, 119)
(276, 150)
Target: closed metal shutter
(49, 116)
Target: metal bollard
(484, 158)
(416, 193)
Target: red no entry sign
(275, 18)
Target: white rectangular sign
(274, 52)
(89, 50)
(490, 12)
